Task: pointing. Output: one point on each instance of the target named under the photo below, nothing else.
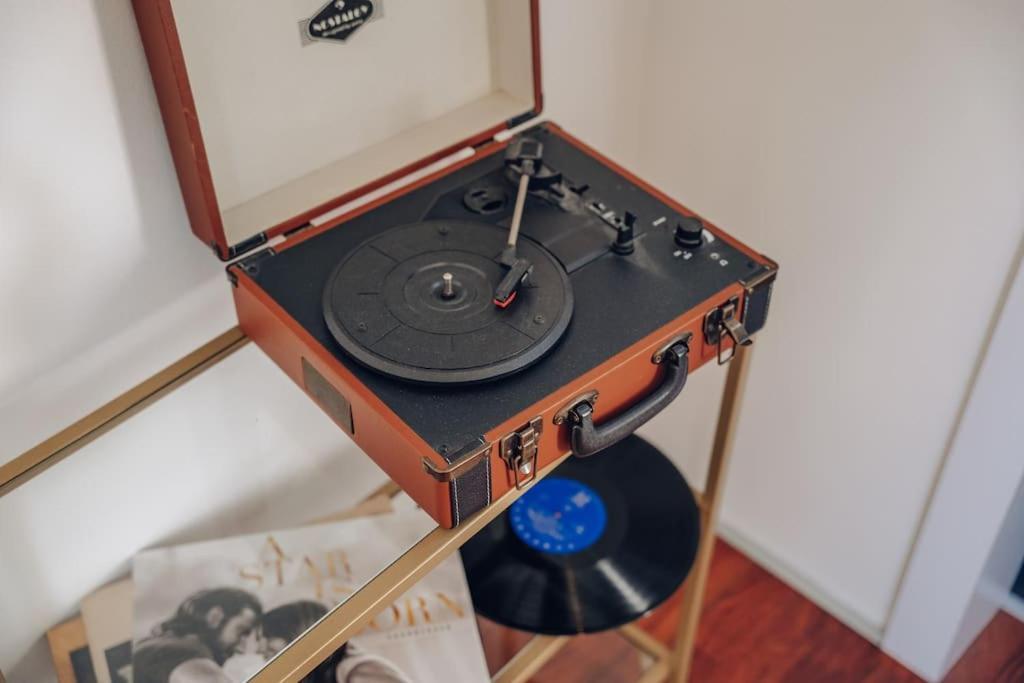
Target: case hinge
(245, 245)
(298, 229)
(521, 118)
(519, 451)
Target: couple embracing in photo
(223, 635)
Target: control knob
(688, 233)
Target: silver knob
(448, 287)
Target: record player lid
(279, 112)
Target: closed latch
(519, 451)
(725, 319)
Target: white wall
(873, 148)
(972, 539)
(103, 283)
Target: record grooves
(597, 544)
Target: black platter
(597, 544)
(416, 302)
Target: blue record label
(559, 516)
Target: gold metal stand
(302, 656)
(539, 650)
(530, 659)
(38, 459)
(711, 503)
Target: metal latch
(725, 319)
(519, 451)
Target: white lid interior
(290, 124)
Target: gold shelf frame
(36, 460)
(305, 653)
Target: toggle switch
(623, 243)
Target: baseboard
(801, 584)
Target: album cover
(69, 648)
(218, 610)
(107, 614)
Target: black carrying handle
(588, 439)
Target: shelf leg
(693, 597)
(529, 660)
(647, 645)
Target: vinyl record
(597, 544)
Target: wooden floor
(997, 656)
(755, 628)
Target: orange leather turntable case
(293, 122)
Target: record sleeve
(107, 615)
(230, 605)
(69, 648)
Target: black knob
(688, 233)
(623, 243)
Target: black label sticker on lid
(339, 19)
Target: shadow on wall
(170, 252)
(110, 187)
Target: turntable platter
(417, 302)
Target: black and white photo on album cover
(217, 611)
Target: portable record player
(466, 301)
